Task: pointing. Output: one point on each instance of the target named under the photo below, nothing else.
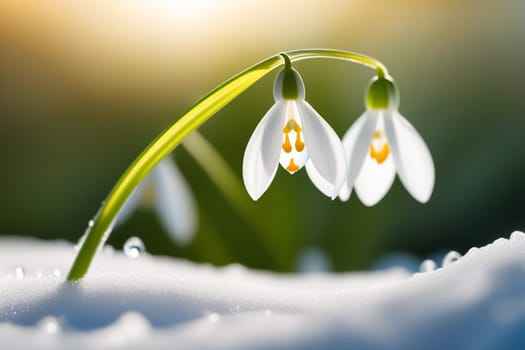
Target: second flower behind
(382, 142)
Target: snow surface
(477, 302)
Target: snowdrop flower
(293, 134)
(168, 192)
(382, 142)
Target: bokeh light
(85, 87)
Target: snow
(476, 302)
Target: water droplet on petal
(91, 223)
(427, 265)
(49, 325)
(213, 317)
(56, 272)
(268, 312)
(133, 247)
(517, 235)
(20, 273)
(450, 258)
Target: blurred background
(85, 87)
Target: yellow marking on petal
(291, 125)
(377, 134)
(287, 146)
(380, 156)
(292, 167)
(299, 145)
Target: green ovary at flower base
(293, 134)
(382, 142)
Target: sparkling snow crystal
(476, 302)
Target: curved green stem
(298, 55)
(287, 61)
(172, 136)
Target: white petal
(326, 151)
(344, 192)
(261, 156)
(298, 157)
(413, 159)
(374, 180)
(324, 186)
(356, 144)
(133, 201)
(174, 202)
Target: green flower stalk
(174, 134)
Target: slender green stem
(298, 55)
(172, 136)
(287, 61)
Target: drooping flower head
(293, 134)
(382, 142)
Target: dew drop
(213, 317)
(268, 312)
(427, 265)
(20, 273)
(450, 258)
(49, 325)
(133, 247)
(56, 272)
(83, 237)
